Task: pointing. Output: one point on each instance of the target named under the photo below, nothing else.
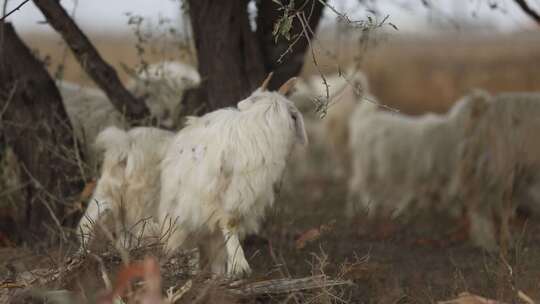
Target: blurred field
(402, 261)
(417, 74)
(413, 74)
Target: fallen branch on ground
(280, 286)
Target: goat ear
(299, 127)
(264, 85)
(287, 86)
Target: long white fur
(399, 160)
(220, 174)
(501, 165)
(129, 186)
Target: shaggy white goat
(501, 164)
(220, 173)
(129, 186)
(399, 160)
(164, 85)
(331, 132)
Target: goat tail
(114, 142)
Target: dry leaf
(149, 271)
(308, 236)
(312, 235)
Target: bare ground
(419, 260)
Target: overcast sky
(107, 16)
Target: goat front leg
(237, 264)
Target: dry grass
(409, 73)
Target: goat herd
(208, 185)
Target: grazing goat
(399, 160)
(221, 172)
(129, 186)
(501, 165)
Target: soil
(422, 259)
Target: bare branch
(287, 285)
(101, 72)
(528, 10)
(13, 10)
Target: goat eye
(293, 117)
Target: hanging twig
(13, 10)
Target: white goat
(501, 164)
(331, 133)
(399, 159)
(129, 186)
(164, 84)
(221, 172)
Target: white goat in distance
(401, 161)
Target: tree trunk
(230, 61)
(234, 59)
(35, 124)
(293, 61)
(90, 60)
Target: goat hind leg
(237, 264)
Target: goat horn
(266, 81)
(287, 86)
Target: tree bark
(230, 61)
(35, 124)
(293, 61)
(234, 59)
(90, 60)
